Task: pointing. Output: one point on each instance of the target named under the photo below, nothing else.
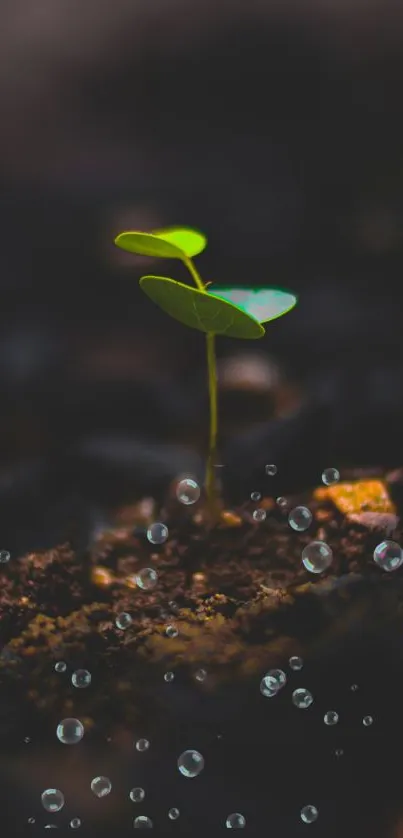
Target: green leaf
(170, 243)
(263, 304)
(199, 309)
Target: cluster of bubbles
(272, 682)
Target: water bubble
(70, 731)
(146, 578)
(142, 822)
(302, 698)
(317, 556)
(188, 491)
(282, 502)
(190, 763)
(5, 556)
(271, 470)
(296, 663)
(168, 677)
(269, 687)
(309, 814)
(354, 688)
(388, 555)
(51, 826)
(279, 677)
(31, 820)
(157, 533)
(52, 800)
(173, 814)
(60, 666)
(81, 678)
(27, 740)
(300, 518)
(101, 786)
(259, 514)
(255, 496)
(331, 717)
(137, 795)
(123, 621)
(330, 476)
(142, 745)
(171, 631)
(235, 821)
(201, 675)
(75, 823)
(367, 721)
(339, 752)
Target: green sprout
(231, 312)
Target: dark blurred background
(275, 128)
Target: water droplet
(52, 800)
(388, 555)
(302, 698)
(271, 470)
(101, 786)
(331, 717)
(190, 763)
(75, 823)
(255, 496)
(317, 556)
(70, 731)
(142, 822)
(235, 821)
(81, 678)
(146, 578)
(282, 502)
(188, 491)
(157, 533)
(142, 745)
(171, 631)
(173, 814)
(60, 666)
(296, 663)
(269, 687)
(300, 518)
(201, 675)
(309, 814)
(259, 514)
(367, 721)
(330, 476)
(5, 556)
(123, 621)
(168, 677)
(137, 795)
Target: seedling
(231, 312)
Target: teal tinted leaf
(190, 242)
(199, 309)
(147, 244)
(263, 304)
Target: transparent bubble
(27, 740)
(188, 491)
(142, 745)
(101, 786)
(75, 823)
(296, 663)
(81, 678)
(142, 822)
(137, 795)
(168, 677)
(259, 514)
(269, 686)
(52, 800)
(123, 621)
(201, 675)
(367, 721)
(31, 820)
(146, 578)
(171, 631)
(282, 502)
(190, 763)
(173, 814)
(157, 533)
(302, 698)
(255, 496)
(330, 476)
(300, 518)
(271, 470)
(309, 814)
(354, 688)
(339, 752)
(70, 731)
(388, 555)
(5, 556)
(60, 666)
(317, 556)
(331, 717)
(235, 821)
(279, 677)
(51, 826)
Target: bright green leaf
(199, 309)
(261, 303)
(170, 243)
(190, 242)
